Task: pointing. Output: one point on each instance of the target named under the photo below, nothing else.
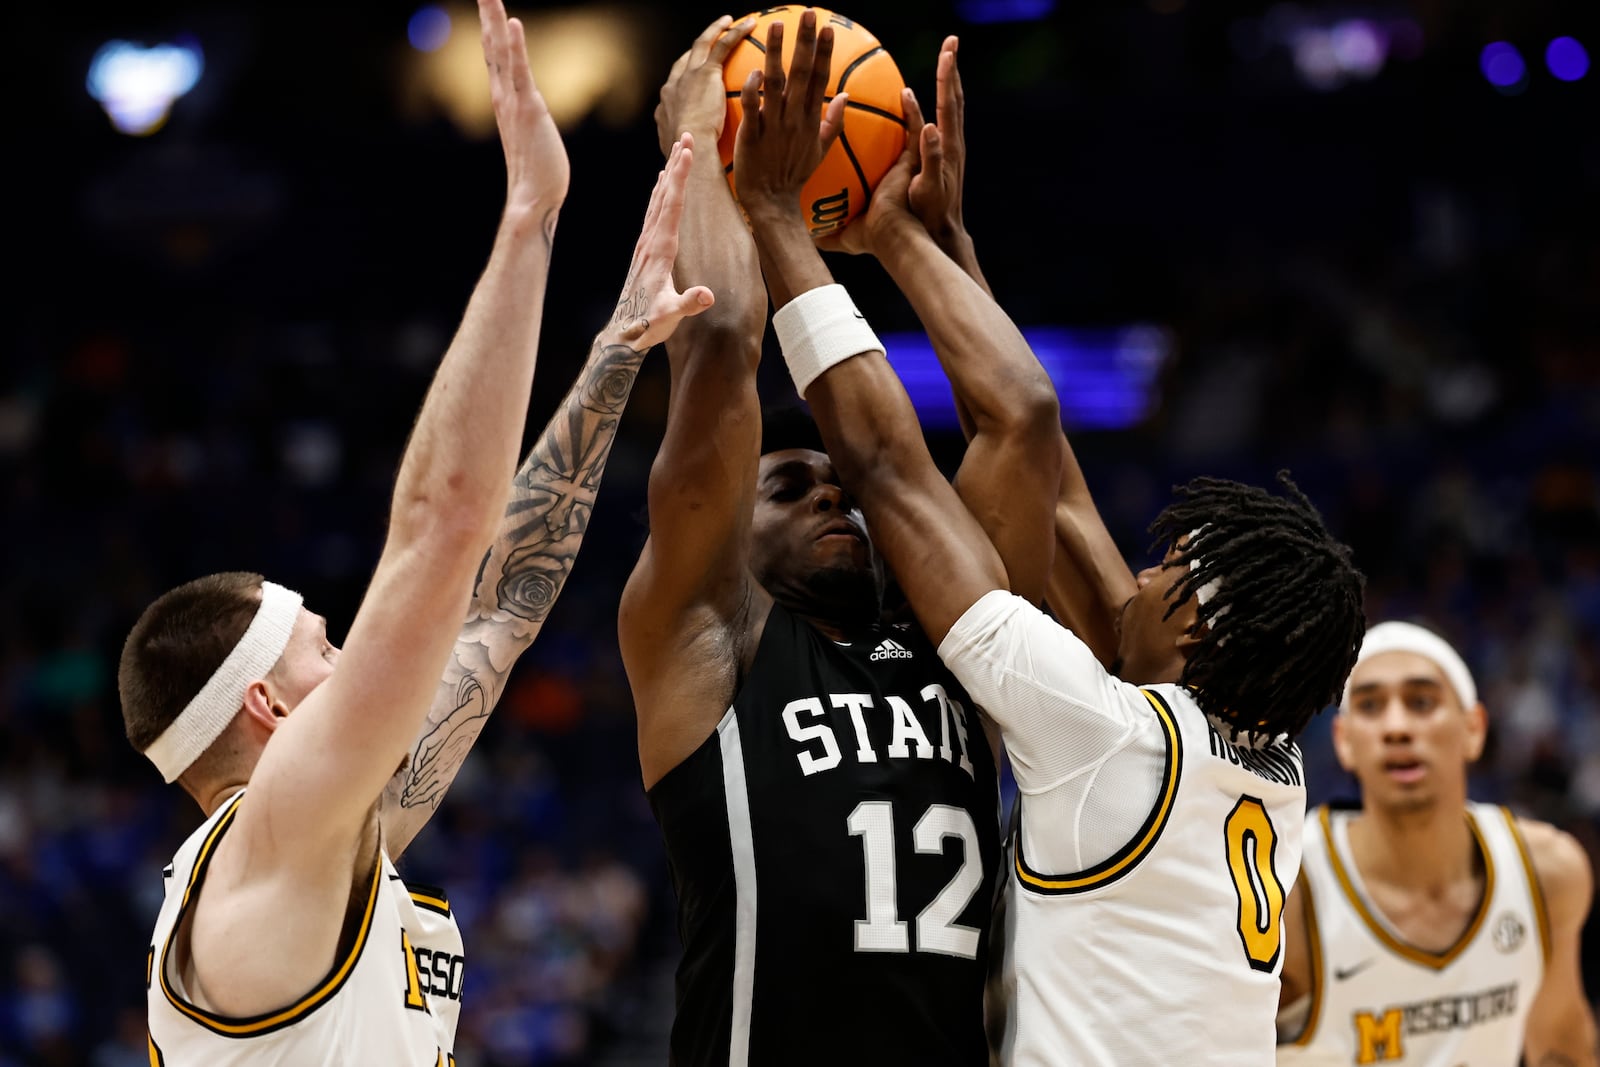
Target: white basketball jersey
(1169, 951)
(392, 998)
(1376, 999)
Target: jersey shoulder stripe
(427, 897)
(1139, 846)
(267, 1022)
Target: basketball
(874, 131)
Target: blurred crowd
(1423, 354)
(1448, 425)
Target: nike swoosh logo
(1341, 973)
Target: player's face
(1151, 648)
(307, 661)
(807, 537)
(1405, 735)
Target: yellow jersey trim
(1535, 889)
(1136, 849)
(154, 1051)
(1436, 960)
(1314, 941)
(429, 897)
(266, 1023)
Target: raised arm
(317, 781)
(1010, 473)
(690, 603)
(552, 497)
(1088, 579)
(1561, 1028)
(937, 551)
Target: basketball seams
(855, 164)
(899, 120)
(844, 75)
(872, 71)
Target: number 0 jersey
(392, 997)
(834, 847)
(1376, 999)
(1165, 947)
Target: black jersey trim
(429, 898)
(267, 1022)
(1128, 857)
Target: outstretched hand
(779, 143)
(650, 307)
(935, 192)
(693, 98)
(537, 173)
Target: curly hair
(1280, 629)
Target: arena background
(1355, 240)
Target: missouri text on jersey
(1376, 1030)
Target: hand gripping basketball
(779, 143)
(871, 133)
(693, 99)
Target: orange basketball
(874, 125)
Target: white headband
(219, 700)
(1409, 637)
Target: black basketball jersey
(834, 846)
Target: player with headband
(1427, 928)
(286, 936)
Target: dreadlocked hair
(1280, 629)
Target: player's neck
(1425, 850)
(211, 795)
(831, 628)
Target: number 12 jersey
(834, 847)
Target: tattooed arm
(552, 496)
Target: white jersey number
(937, 931)
(1252, 853)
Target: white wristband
(819, 328)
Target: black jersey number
(937, 930)
(1252, 857)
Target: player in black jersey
(1292, 600)
(826, 792)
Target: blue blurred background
(1357, 240)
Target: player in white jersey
(1427, 929)
(1161, 808)
(286, 936)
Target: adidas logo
(890, 649)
